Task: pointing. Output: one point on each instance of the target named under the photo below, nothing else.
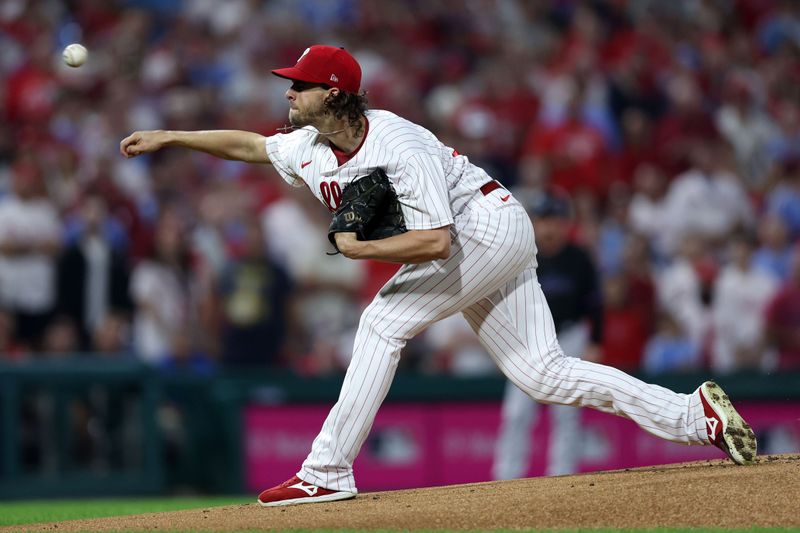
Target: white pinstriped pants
(490, 277)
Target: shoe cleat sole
(738, 439)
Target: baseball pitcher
(466, 246)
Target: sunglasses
(300, 86)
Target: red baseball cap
(330, 65)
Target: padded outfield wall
(87, 426)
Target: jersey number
(331, 194)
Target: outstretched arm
(235, 145)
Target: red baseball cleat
(296, 491)
(727, 430)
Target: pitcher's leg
(517, 329)
(512, 450)
(366, 383)
(487, 251)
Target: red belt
(490, 186)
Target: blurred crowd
(672, 127)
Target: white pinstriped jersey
(433, 182)
(489, 277)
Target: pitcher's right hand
(142, 142)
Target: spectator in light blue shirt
(784, 200)
(774, 253)
(670, 349)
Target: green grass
(31, 512)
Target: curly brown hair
(350, 105)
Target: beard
(308, 117)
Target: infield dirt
(700, 494)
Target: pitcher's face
(306, 103)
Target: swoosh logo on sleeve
(304, 165)
(505, 198)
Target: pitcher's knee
(542, 377)
(383, 322)
(375, 338)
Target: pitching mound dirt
(700, 494)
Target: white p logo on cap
(303, 54)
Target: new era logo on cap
(328, 65)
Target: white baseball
(75, 55)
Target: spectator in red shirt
(684, 126)
(10, 350)
(568, 154)
(625, 333)
(629, 311)
(637, 264)
(783, 319)
(31, 90)
(637, 150)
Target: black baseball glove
(369, 209)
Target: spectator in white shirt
(647, 213)
(748, 129)
(325, 299)
(707, 200)
(740, 298)
(684, 289)
(30, 240)
(160, 291)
